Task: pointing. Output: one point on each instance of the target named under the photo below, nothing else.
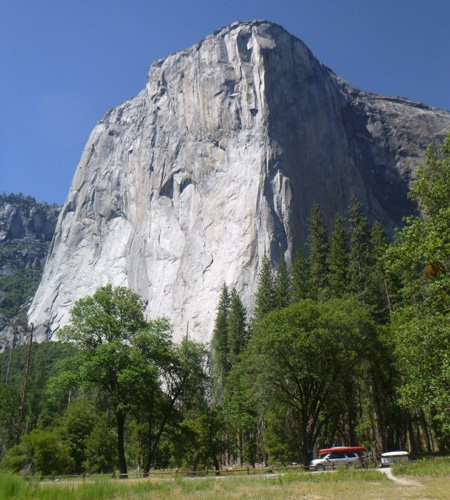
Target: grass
(432, 481)
(433, 467)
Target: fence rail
(177, 473)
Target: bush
(43, 451)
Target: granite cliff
(217, 162)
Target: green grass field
(428, 479)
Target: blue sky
(64, 64)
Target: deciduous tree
(120, 353)
(420, 258)
(312, 350)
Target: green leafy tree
(198, 440)
(311, 349)
(113, 338)
(420, 259)
(182, 382)
(74, 427)
(318, 250)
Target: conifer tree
(380, 288)
(237, 328)
(283, 285)
(318, 251)
(338, 259)
(265, 295)
(300, 277)
(220, 362)
(359, 255)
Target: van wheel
(320, 468)
(350, 466)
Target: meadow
(424, 479)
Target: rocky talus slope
(218, 162)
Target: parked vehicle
(346, 456)
(391, 457)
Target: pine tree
(300, 277)
(338, 259)
(237, 328)
(265, 295)
(283, 285)
(220, 364)
(359, 255)
(318, 251)
(379, 286)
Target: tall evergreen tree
(318, 251)
(237, 328)
(338, 259)
(380, 288)
(265, 295)
(359, 255)
(283, 285)
(220, 340)
(300, 277)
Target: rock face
(26, 229)
(217, 162)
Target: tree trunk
(307, 452)
(412, 439)
(120, 419)
(239, 446)
(377, 418)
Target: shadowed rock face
(217, 162)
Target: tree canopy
(128, 359)
(420, 259)
(312, 349)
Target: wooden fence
(177, 473)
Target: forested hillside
(348, 345)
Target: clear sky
(63, 64)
